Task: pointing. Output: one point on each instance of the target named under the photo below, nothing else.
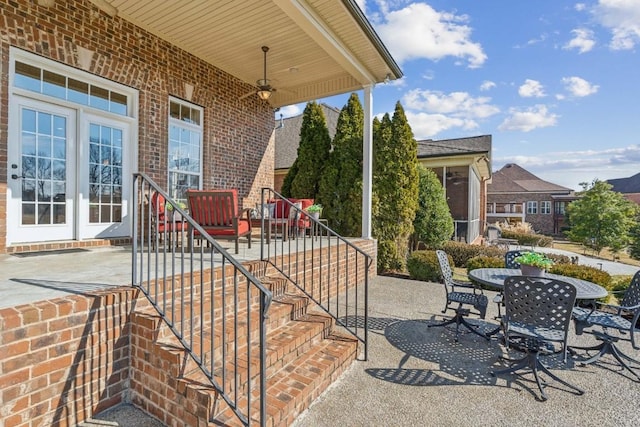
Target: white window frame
(532, 207)
(195, 129)
(545, 207)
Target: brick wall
(64, 359)
(238, 143)
(542, 223)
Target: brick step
(292, 389)
(284, 344)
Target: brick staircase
(305, 353)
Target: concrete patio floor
(415, 375)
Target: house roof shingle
(514, 179)
(453, 147)
(287, 135)
(626, 185)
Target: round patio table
(494, 277)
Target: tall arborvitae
(341, 184)
(288, 179)
(396, 188)
(313, 152)
(433, 224)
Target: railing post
(263, 359)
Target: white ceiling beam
(309, 21)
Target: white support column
(367, 162)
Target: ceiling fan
(263, 86)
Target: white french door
(68, 174)
(41, 181)
(104, 172)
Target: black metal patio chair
(537, 317)
(461, 300)
(622, 318)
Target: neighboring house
(516, 195)
(287, 140)
(463, 165)
(95, 90)
(629, 187)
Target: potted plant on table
(533, 263)
(314, 211)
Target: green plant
(423, 265)
(463, 252)
(583, 272)
(182, 205)
(534, 259)
(315, 208)
(483, 261)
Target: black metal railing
(204, 295)
(330, 270)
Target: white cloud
(529, 119)
(579, 87)
(531, 89)
(580, 7)
(426, 125)
(290, 110)
(459, 104)
(432, 112)
(622, 17)
(582, 40)
(440, 35)
(487, 85)
(569, 168)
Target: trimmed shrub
(558, 258)
(423, 265)
(583, 272)
(485, 262)
(463, 252)
(528, 239)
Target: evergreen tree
(396, 188)
(313, 152)
(341, 183)
(288, 179)
(601, 217)
(433, 224)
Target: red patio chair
(217, 212)
(161, 223)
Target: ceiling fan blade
(248, 94)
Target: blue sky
(555, 82)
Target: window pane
(27, 77)
(78, 92)
(174, 110)
(118, 103)
(54, 84)
(99, 98)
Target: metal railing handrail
(142, 182)
(330, 234)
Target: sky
(556, 83)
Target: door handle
(14, 176)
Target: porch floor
(35, 276)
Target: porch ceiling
(318, 48)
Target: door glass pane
(43, 178)
(105, 174)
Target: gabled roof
(455, 147)
(287, 135)
(626, 185)
(514, 179)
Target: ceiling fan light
(264, 94)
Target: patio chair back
(632, 294)
(445, 271)
(538, 308)
(217, 212)
(510, 259)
